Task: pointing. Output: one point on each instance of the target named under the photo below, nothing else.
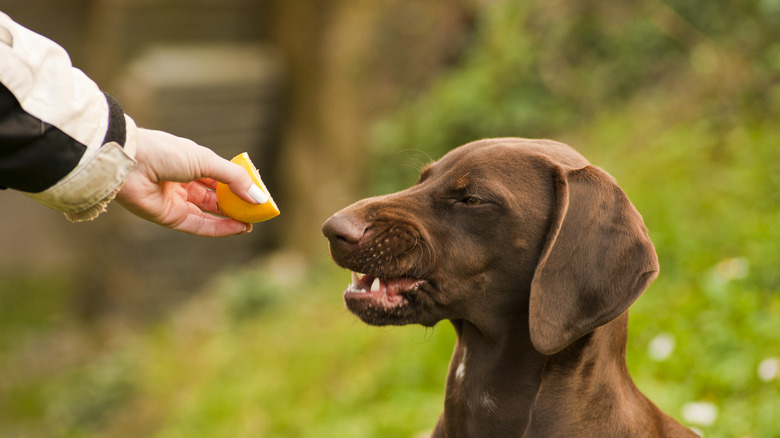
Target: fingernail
(258, 194)
(248, 229)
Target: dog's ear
(596, 261)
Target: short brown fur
(535, 256)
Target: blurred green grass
(296, 365)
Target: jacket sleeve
(62, 141)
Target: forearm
(62, 141)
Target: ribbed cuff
(84, 193)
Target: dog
(534, 255)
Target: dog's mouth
(368, 291)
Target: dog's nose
(343, 230)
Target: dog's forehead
(507, 152)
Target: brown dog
(534, 255)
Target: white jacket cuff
(85, 192)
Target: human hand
(173, 185)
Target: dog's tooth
(376, 285)
(355, 280)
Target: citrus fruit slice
(235, 207)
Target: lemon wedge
(235, 207)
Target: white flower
(769, 369)
(661, 346)
(700, 413)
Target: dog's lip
(388, 291)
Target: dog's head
(496, 229)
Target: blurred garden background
(116, 328)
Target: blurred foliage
(678, 100)
(300, 365)
(552, 69)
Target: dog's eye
(471, 201)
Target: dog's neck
(492, 382)
(498, 382)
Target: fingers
(204, 224)
(255, 192)
(179, 159)
(202, 196)
(215, 168)
(201, 201)
(173, 185)
(209, 182)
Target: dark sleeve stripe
(117, 131)
(33, 154)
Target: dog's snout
(343, 230)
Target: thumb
(239, 181)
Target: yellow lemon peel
(235, 207)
